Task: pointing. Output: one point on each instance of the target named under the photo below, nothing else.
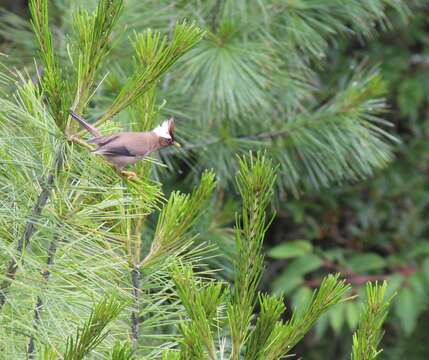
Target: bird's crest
(166, 129)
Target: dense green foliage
(307, 82)
(376, 229)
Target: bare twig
(135, 317)
(360, 279)
(39, 304)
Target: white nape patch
(162, 130)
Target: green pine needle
(52, 81)
(162, 57)
(255, 182)
(369, 333)
(92, 333)
(178, 215)
(93, 45)
(286, 335)
(201, 303)
(272, 308)
(122, 352)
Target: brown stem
(357, 279)
(30, 228)
(31, 348)
(39, 304)
(135, 320)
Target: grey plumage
(126, 148)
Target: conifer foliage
(73, 232)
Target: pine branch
(47, 353)
(122, 352)
(309, 28)
(224, 76)
(286, 335)
(30, 227)
(369, 334)
(52, 82)
(39, 302)
(255, 182)
(343, 140)
(93, 332)
(201, 302)
(164, 56)
(177, 216)
(271, 309)
(94, 32)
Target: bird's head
(165, 133)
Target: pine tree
(73, 230)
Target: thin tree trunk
(39, 303)
(30, 228)
(135, 316)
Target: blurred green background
(374, 229)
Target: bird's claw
(131, 175)
(74, 137)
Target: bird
(126, 148)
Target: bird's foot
(74, 137)
(131, 175)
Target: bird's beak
(177, 144)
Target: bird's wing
(126, 144)
(103, 140)
(115, 151)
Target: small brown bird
(126, 148)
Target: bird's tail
(91, 129)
